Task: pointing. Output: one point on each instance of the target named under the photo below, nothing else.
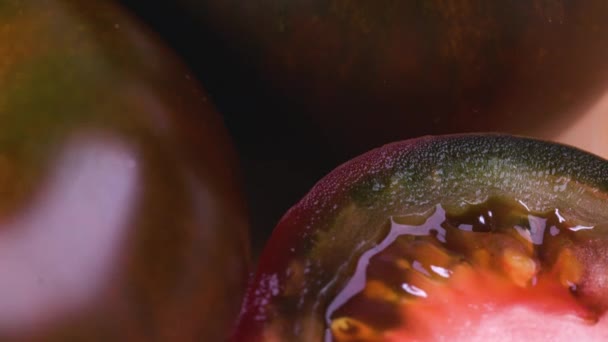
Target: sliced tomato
(460, 238)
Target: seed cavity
(498, 239)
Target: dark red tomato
(120, 217)
(371, 72)
(453, 238)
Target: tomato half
(459, 238)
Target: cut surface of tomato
(440, 238)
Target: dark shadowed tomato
(453, 238)
(370, 72)
(120, 217)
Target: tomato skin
(112, 156)
(372, 73)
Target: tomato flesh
(459, 277)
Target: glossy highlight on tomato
(120, 212)
(458, 237)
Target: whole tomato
(120, 213)
(368, 73)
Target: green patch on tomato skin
(47, 97)
(61, 97)
(463, 170)
(459, 170)
(8, 9)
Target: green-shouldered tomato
(120, 213)
(459, 238)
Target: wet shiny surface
(120, 213)
(522, 218)
(457, 269)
